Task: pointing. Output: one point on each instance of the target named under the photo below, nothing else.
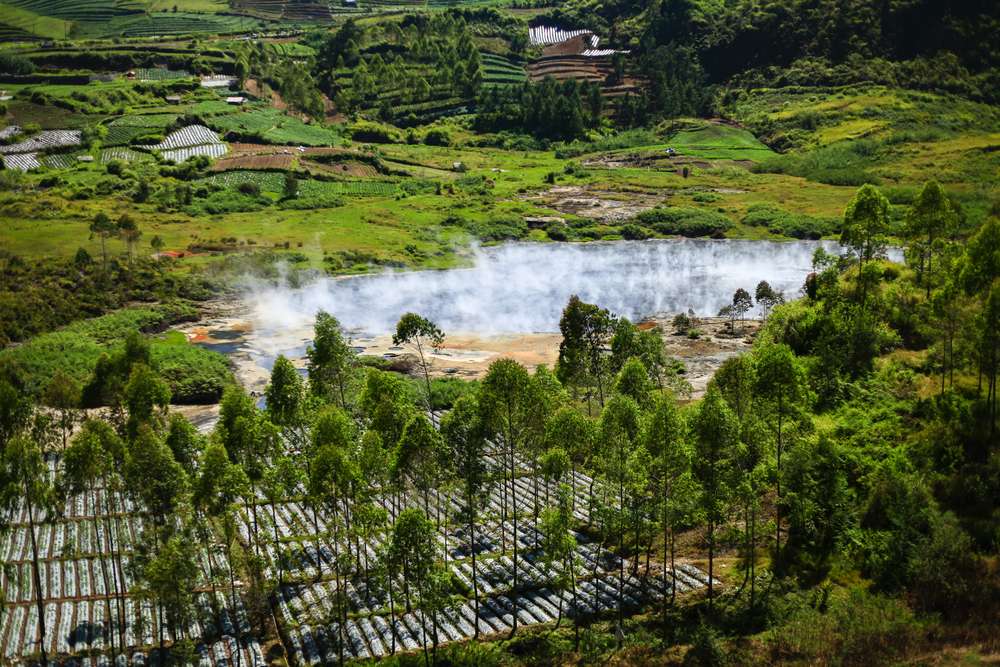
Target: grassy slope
(43, 26)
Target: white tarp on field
(543, 35)
(43, 140)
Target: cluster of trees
(936, 45)
(290, 77)
(418, 59)
(39, 296)
(742, 303)
(137, 452)
(547, 110)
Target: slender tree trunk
(101, 537)
(339, 594)
(753, 553)
(711, 564)
(621, 548)
(576, 606)
(777, 504)
(475, 574)
(392, 615)
(277, 544)
(38, 579)
(117, 575)
(319, 557)
(513, 475)
(233, 601)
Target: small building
(173, 99)
(85, 158)
(236, 100)
(353, 4)
(130, 74)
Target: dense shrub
(437, 137)
(842, 163)
(47, 294)
(75, 350)
(691, 222)
(376, 133)
(789, 224)
(633, 232)
(11, 63)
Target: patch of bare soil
(657, 161)
(702, 356)
(596, 204)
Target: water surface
(523, 287)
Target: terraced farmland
(271, 126)
(170, 23)
(160, 74)
(44, 140)
(123, 130)
(348, 188)
(266, 180)
(498, 70)
(81, 10)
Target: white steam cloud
(523, 287)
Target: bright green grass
(37, 24)
(266, 125)
(719, 142)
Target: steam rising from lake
(523, 287)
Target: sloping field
(270, 126)
(9, 33)
(28, 21)
(91, 11)
(719, 142)
(169, 23)
(44, 140)
(241, 162)
(498, 70)
(571, 67)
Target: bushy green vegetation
(194, 375)
(783, 223)
(41, 296)
(684, 221)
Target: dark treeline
(548, 110)
(925, 44)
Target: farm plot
(498, 70)
(377, 625)
(267, 181)
(121, 153)
(160, 74)
(9, 132)
(315, 188)
(21, 161)
(44, 140)
(243, 162)
(271, 126)
(64, 160)
(189, 142)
